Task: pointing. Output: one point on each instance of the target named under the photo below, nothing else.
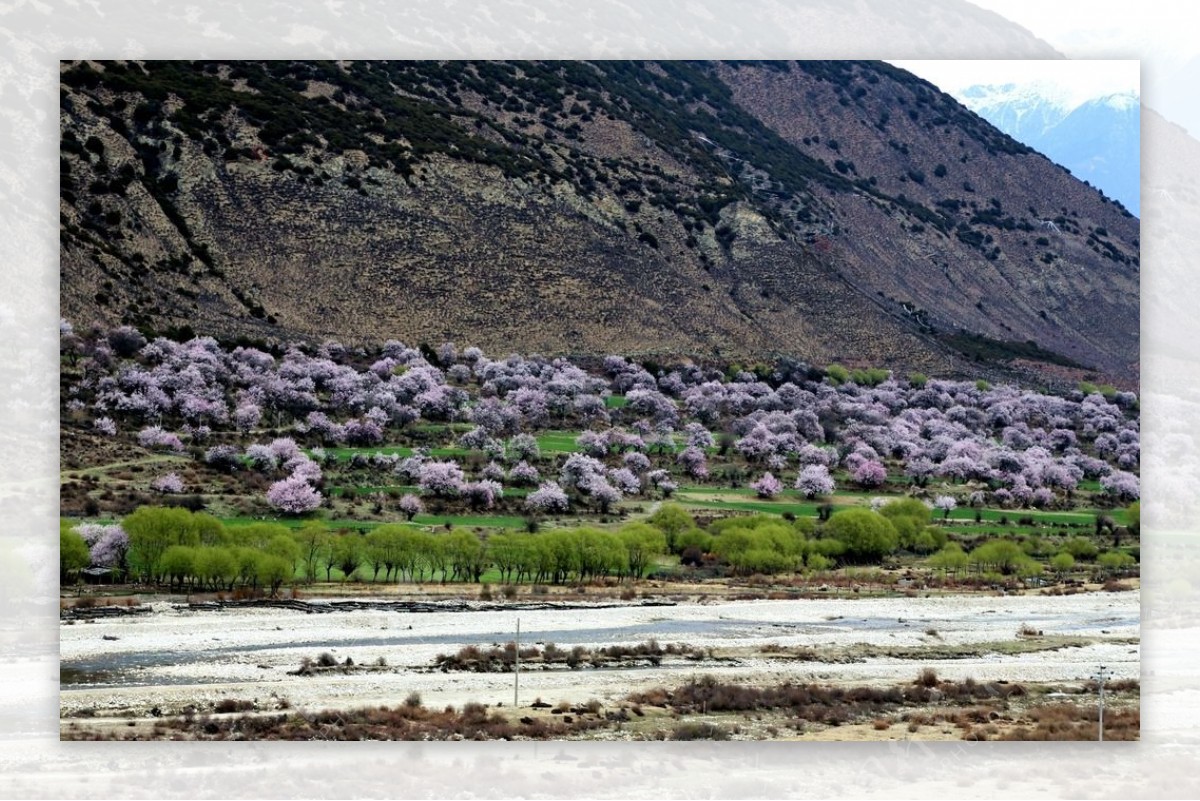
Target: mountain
(1099, 140)
(827, 211)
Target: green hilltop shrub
(871, 377)
(839, 374)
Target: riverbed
(174, 656)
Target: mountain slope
(824, 210)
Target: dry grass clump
(1077, 722)
(836, 705)
(699, 731)
(227, 705)
(927, 678)
(327, 663)
(405, 722)
(800, 653)
(825, 704)
(500, 659)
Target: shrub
(866, 536)
(837, 373)
(699, 731)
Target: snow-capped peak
(1018, 95)
(1049, 96)
(1120, 101)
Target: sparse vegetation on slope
(640, 207)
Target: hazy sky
(1080, 80)
(1105, 28)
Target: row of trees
(194, 550)
(1008, 557)
(185, 549)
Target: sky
(1162, 32)
(1079, 80)
(1105, 28)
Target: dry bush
(699, 731)
(227, 705)
(1077, 722)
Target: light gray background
(35, 35)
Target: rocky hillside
(830, 211)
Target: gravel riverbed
(174, 657)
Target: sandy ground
(173, 657)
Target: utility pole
(1102, 675)
(517, 666)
